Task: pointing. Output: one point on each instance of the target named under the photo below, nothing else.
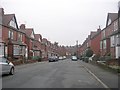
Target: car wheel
(12, 71)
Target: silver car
(6, 67)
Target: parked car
(60, 58)
(64, 57)
(74, 58)
(6, 66)
(53, 59)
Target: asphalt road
(61, 74)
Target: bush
(86, 59)
(36, 58)
(89, 53)
(96, 58)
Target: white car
(74, 58)
(6, 67)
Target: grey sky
(64, 21)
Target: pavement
(109, 78)
(61, 74)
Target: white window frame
(109, 21)
(19, 36)
(104, 44)
(115, 26)
(16, 50)
(112, 41)
(1, 49)
(32, 35)
(13, 23)
(10, 34)
(101, 44)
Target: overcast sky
(64, 21)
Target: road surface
(61, 74)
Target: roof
(28, 31)
(7, 18)
(112, 16)
(37, 36)
(93, 33)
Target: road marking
(104, 85)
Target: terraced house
(12, 37)
(21, 44)
(104, 43)
(110, 41)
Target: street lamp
(119, 30)
(119, 16)
(77, 48)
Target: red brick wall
(109, 30)
(4, 33)
(95, 44)
(108, 45)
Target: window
(101, 44)
(10, 34)
(87, 45)
(112, 40)
(104, 44)
(1, 49)
(16, 49)
(32, 35)
(109, 21)
(117, 40)
(115, 26)
(39, 40)
(19, 36)
(6, 51)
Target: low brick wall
(113, 62)
(17, 62)
(31, 61)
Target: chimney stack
(1, 11)
(99, 29)
(22, 26)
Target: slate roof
(112, 16)
(7, 18)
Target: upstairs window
(112, 40)
(101, 44)
(10, 34)
(19, 36)
(39, 40)
(13, 23)
(109, 22)
(32, 35)
(115, 26)
(104, 44)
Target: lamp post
(119, 31)
(119, 17)
(77, 48)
